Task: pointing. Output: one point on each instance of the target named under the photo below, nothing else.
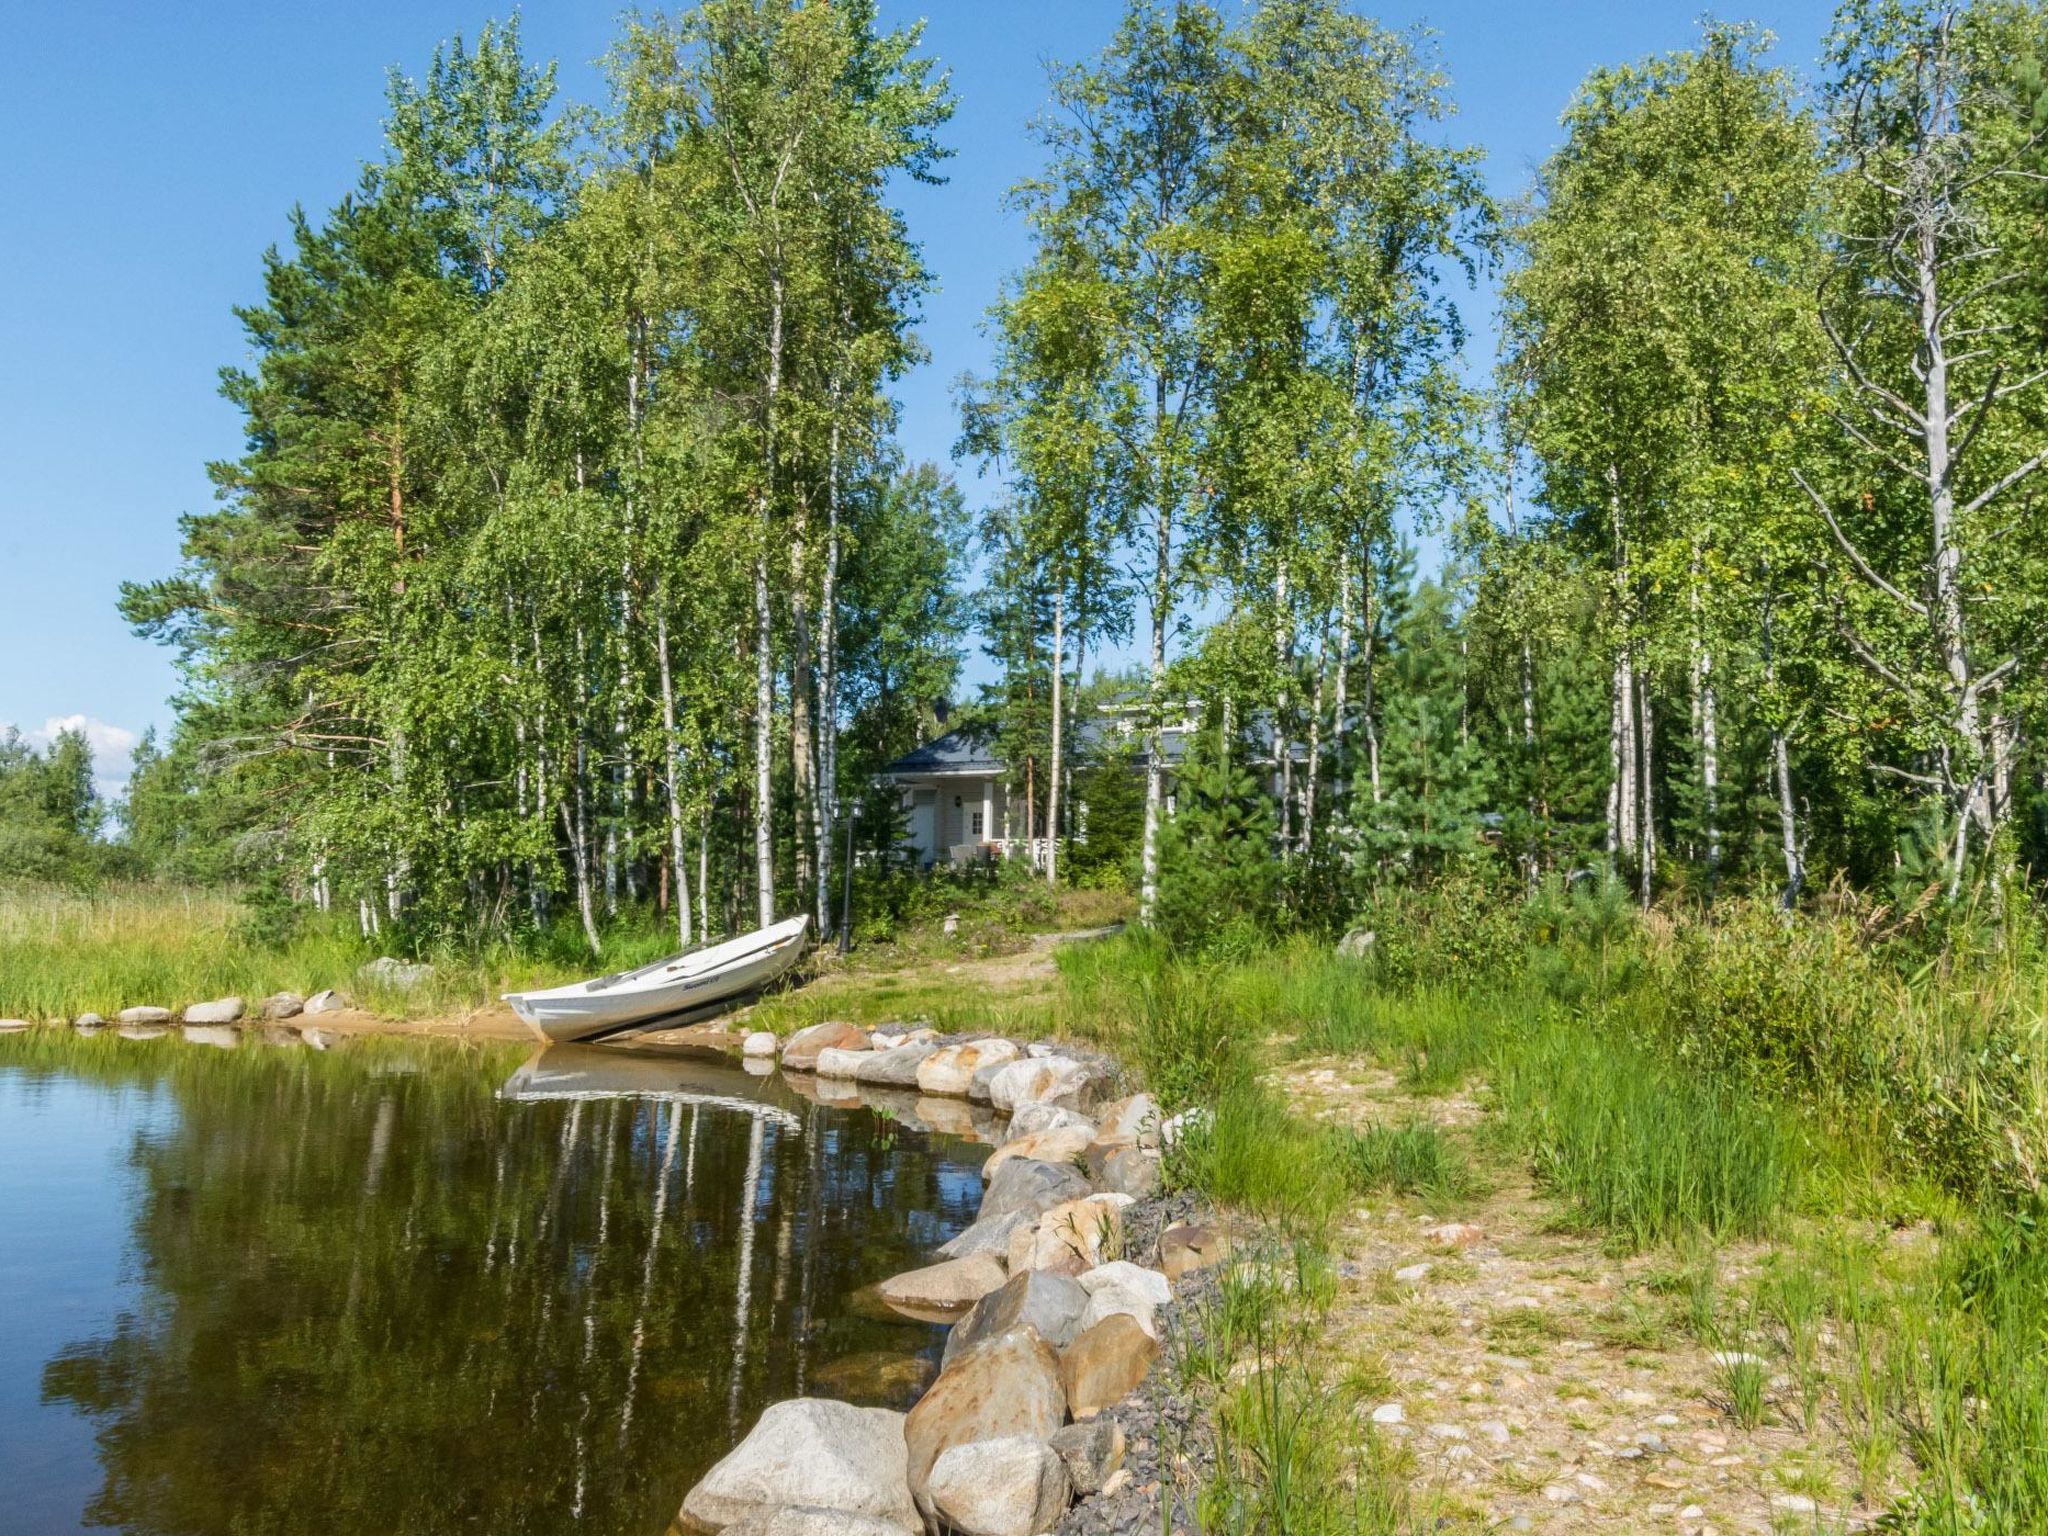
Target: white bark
(764, 630)
(674, 764)
(1059, 758)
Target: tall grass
(1642, 1151)
(63, 953)
(1415, 1158)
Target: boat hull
(694, 984)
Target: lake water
(411, 1287)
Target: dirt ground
(1541, 1380)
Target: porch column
(988, 810)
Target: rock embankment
(1051, 1324)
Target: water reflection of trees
(377, 1299)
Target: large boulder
(841, 1064)
(1051, 1303)
(1129, 1171)
(1040, 1115)
(1070, 1238)
(800, 1053)
(759, 1043)
(1105, 1364)
(1021, 1189)
(1025, 1184)
(1064, 1145)
(1124, 1289)
(142, 1015)
(979, 1089)
(1093, 1450)
(1134, 1120)
(1006, 1386)
(896, 1068)
(282, 1005)
(222, 1010)
(949, 1071)
(329, 1001)
(990, 1234)
(945, 1289)
(1013, 1486)
(814, 1453)
(1122, 1274)
(1040, 1077)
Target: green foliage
(1109, 795)
(1218, 879)
(50, 814)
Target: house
(955, 790)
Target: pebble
(1732, 1357)
(1793, 1503)
(1561, 1493)
(1389, 1413)
(1692, 1512)
(1447, 1431)
(1495, 1430)
(1413, 1274)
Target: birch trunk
(1283, 746)
(1315, 741)
(674, 763)
(764, 631)
(1781, 771)
(1368, 703)
(803, 757)
(1705, 722)
(1162, 591)
(828, 685)
(1340, 762)
(1059, 760)
(1646, 779)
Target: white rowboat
(693, 980)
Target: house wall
(937, 824)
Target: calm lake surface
(411, 1287)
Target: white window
(977, 823)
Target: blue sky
(154, 151)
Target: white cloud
(112, 746)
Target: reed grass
(1414, 1158)
(1645, 1153)
(66, 952)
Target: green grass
(1648, 1154)
(63, 953)
(1415, 1158)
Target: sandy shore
(495, 1022)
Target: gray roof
(954, 752)
(968, 753)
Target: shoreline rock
(809, 1453)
